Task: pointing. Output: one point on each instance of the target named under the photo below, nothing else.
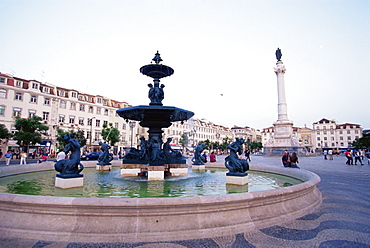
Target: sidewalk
(343, 219)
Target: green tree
(184, 140)
(225, 142)
(110, 134)
(4, 132)
(254, 145)
(29, 131)
(79, 135)
(363, 142)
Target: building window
(340, 132)
(116, 125)
(89, 122)
(17, 112)
(318, 138)
(2, 80)
(106, 112)
(98, 100)
(105, 123)
(82, 107)
(74, 94)
(2, 93)
(18, 83)
(33, 99)
(2, 110)
(45, 116)
(62, 118)
(71, 119)
(97, 123)
(47, 101)
(31, 113)
(124, 126)
(88, 134)
(98, 111)
(35, 86)
(63, 104)
(356, 131)
(73, 106)
(81, 121)
(349, 138)
(91, 109)
(97, 136)
(18, 96)
(348, 131)
(46, 90)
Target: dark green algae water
(112, 185)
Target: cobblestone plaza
(341, 221)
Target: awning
(45, 142)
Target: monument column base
(236, 180)
(66, 183)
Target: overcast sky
(223, 54)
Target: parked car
(91, 156)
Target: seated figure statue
(235, 165)
(138, 154)
(171, 155)
(197, 159)
(71, 167)
(105, 158)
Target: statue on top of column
(278, 54)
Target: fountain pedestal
(103, 167)
(236, 180)
(67, 183)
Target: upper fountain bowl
(156, 71)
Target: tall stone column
(283, 138)
(282, 106)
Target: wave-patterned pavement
(343, 220)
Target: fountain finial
(157, 58)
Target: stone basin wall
(154, 219)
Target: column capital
(280, 67)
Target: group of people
(290, 160)
(359, 156)
(22, 156)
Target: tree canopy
(110, 134)
(4, 132)
(29, 131)
(363, 142)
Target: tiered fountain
(78, 219)
(154, 158)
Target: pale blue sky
(215, 47)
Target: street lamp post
(132, 125)
(91, 129)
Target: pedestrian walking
(8, 157)
(247, 154)
(326, 154)
(330, 152)
(348, 155)
(357, 156)
(23, 158)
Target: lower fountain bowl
(157, 219)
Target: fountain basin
(158, 116)
(156, 219)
